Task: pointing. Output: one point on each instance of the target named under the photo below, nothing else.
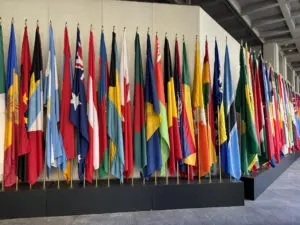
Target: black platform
(259, 181)
(118, 198)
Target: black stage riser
(258, 182)
(123, 198)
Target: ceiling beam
(284, 48)
(267, 21)
(293, 57)
(266, 34)
(259, 6)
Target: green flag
(140, 154)
(249, 143)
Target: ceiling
(257, 22)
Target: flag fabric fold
(102, 98)
(114, 115)
(230, 160)
(93, 158)
(78, 114)
(163, 127)
(203, 154)
(153, 118)
(66, 127)
(172, 112)
(126, 110)
(209, 108)
(140, 152)
(35, 124)
(55, 153)
(218, 106)
(186, 126)
(12, 114)
(24, 147)
(244, 97)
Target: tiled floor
(279, 204)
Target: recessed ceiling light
(290, 50)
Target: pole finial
(12, 20)
(25, 22)
(114, 28)
(102, 28)
(78, 25)
(66, 24)
(148, 30)
(226, 40)
(124, 29)
(37, 23)
(91, 27)
(183, 37)
(137, 29)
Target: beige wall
(161, 18)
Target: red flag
(35, 113)
(126, 111)
(24, 85)
(66, 127)
(93, 158)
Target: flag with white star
(78, 115)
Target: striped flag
(114, 115)
(35, 160)
(163, 127)
(172, 114)
(93, 158)
(78, 115)
(153, 119)
(66, 127)
(24, 147)
(249, 144)
(232, 163)
(209, 106)
(12, 113)
(2, 103)
(55, 153)
(187, 136)
(203, 154)
(140, 152)
(102, 98)
(126, 110)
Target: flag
(267, 116)
(102, 98)
(209, 106)
(263, 154)
(2, 103)
(163, 126)
(35, 159)
(172, 115)
(92, 160)
(203, 156)
(187, 136)
(24, 147)
(219, 113)
(140, 152)
(66, 127)
(78, 115)
(55, 153)
(153, 118)
(231, 160)
(12, 114)
(249, 144)
(114, 114)
(126, 111)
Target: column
(271, 55)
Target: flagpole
(84, 178)
(208, 125)
(44, 182)
(96, 173)
(198, 123)
(188, 173)
(71, 174)
(167, 176)
(219, 147)
(58, 183)
(108, 175)
(132, 178)
(155, 178)
(177, 173)
(17, 183)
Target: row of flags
(269, 120)
(176, 128)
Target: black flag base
(256, 183)
(117, 198)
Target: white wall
(161, 18)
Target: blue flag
(78, 115)
(55, 154)
(231, 163)
(152, 117)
